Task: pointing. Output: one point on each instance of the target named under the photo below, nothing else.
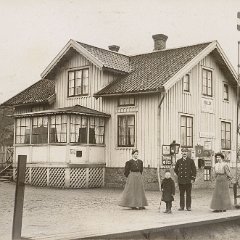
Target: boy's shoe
(134, 208)
(189, 209)
(181, 209)
(169, 211)
(141, 208)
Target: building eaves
(39, 92)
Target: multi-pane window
(78, 129)
(96, 130)
(78, 81)
(126, 131)
(126, 101)
(23, 130)
(207, 82)
(186, 131)
(40, 130)
(186, 83)
(58, 129)
(225, 92)
(207, 174)
(226, 135)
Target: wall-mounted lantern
(174, 147)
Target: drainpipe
(162, 96)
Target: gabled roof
(145, 73)
(109, 59)
(77, 109)
(100, 57)
(40, 92)
(152, 72)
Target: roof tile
(39, 92)
(150, 71)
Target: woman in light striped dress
(221, 197)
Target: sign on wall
(207, 105)
(207, 145)
(166, 160)
(199, 151)
(165, 150)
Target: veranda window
(23, 130)
(58, 129)
(78, 129)
(126, 131)
(96, 130)
(40, 130)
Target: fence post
(19, 198)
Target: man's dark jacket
(185, 170)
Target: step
(5, 177)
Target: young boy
(168, 191)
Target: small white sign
(207, 105)
(72, 151)
(206, 135)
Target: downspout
(162, 96)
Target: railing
(6, 156)
(5, 169)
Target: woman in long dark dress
(133, 195)
(221, 197)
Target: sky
(33, 32)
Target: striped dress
(221, 196)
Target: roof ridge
(174, 48)
(102, 49)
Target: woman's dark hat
(219, 154)
(134, 150)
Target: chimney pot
(114, 48)
(159, 41)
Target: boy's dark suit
(168, 189)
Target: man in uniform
(186, 171)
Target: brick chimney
(114, 48)
(159, 41)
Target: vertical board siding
(177, 102)
(97, 80)
(146, 116)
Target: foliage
(6, 126)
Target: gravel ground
(51, 212)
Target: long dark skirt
(221, 196)
(133, 194)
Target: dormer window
(207, 82)
(225, 92)
(186, 83)
(78, 81)
(126, 101)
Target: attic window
(225, 92)
(207, 82)
(126, 101)
(78, 81)
(186, 83)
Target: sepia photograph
(119, 119)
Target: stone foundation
(114, 177)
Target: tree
(6, 126)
